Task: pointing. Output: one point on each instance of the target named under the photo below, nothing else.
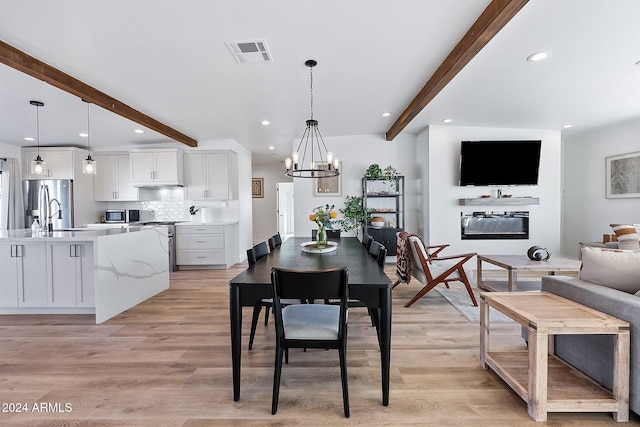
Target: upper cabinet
(156, 167)
(111, 181)
(210, 175)
(59, 162)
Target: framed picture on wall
(623, 175)
(331, 186)
(257, 187)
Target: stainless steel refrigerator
(50, 200)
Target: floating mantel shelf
(495, 201)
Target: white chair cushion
(311, 321)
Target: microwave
(115, 215)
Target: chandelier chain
(88, 131)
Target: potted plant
(354, 214)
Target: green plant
(354, 213)
(373, 171)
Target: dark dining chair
(274, 241)
(310, 325)
(331, 234)
(366, 240)
(254, 255)
(374, 249)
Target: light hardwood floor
(166, 362)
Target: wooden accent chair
(431, 270)
(310, 325)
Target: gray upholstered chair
(310, 325)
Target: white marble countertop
(76, 234)
(183, 224)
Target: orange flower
(312, 217)
(333, 214)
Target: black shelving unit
(386, 199)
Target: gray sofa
(593, 354)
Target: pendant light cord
(88, 132)
(38, 127)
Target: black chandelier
(322, 164)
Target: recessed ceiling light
(447, 120)
(567, 126)
(265, 123)
(84, 135)
(539, 56)
(138, 131)
(386, 114)
(28, 138)
(271, 147)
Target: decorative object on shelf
(193, 210)
(322, 163)
(373, 171)
(257, 187)
(89, 166)
(623, 176)
(537, 253)
(38, 165)
(377, 222)
(388, 174)
(328, 186)
(323, 216)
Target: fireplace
(494, 225)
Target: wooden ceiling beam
(490, 22)
(27, 64)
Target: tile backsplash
(169, 204)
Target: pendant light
(38, 166)
(88, 164)
(321, 163)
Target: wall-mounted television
(499, 162)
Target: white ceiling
(168, 59)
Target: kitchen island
(82, 271)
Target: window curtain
(12, 207)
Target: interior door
(285, 208)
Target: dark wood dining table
(367, 283)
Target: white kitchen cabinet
(9, 282)
(203, 245)
(112, 180)
(23, 281)
(59, 163)
(210, 176)
(157, 167)
(71, 274)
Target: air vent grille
(250, 51)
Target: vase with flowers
(322, 215)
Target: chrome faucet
(59, 213)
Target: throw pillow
(627, 236)
(614, 269)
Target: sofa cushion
(614, 269)
(627, 236)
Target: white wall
(439, 219)
(356, 154)
(587, 213)
(14, 151)
(265, 217)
